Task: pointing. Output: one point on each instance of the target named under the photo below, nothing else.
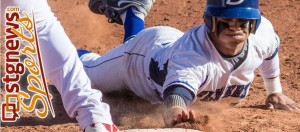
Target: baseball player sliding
(212, 61)
(64, 69)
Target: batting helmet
(245, 9)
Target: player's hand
(280, 101)
(177, 114)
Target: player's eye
(245, 25)
(224, 23)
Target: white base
(161, 130)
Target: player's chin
(237, 39)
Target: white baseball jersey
(160, 57)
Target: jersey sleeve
(270, 66)
(186, 69)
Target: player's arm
(187, 70)
(275, 98)
(270, 72)
(176, 100)
(181, 86)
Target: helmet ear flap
(253, 26)
(213, 24)
(256, 25)
(210, 22)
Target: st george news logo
(21, 39)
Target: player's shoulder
(265, 24)
(199, 30)
(265, 29)
(265, 35)
(192, 40)
(195, 35)
(192, 45)
(265, 41)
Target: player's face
(230, 34)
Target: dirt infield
(92, 32)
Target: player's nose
(234, 24)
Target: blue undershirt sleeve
(181, 91)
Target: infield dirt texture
(93, 32)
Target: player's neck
(230, 50)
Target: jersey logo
(234, 2)
(157, 75)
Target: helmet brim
(242, 12)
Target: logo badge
(234, 2)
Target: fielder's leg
(63, 67)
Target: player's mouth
(235, 35)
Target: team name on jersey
(237, 91)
